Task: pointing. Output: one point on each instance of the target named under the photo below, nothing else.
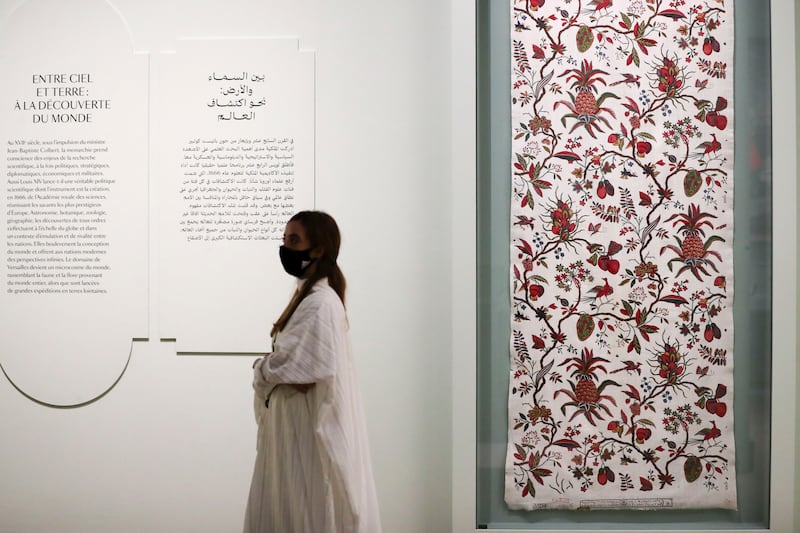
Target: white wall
(171, 447)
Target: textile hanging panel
(621, 379)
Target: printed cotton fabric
(313, 472)
(621, 378)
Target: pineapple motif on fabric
(620, 390)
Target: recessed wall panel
(233, 144)
(73, 192)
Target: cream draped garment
(313, 472)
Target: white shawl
(313, 472)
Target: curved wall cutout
(73, 190)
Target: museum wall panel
(160, 434)
(74, 195)
(233, 159)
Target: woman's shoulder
(323, 295)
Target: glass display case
(764, 305)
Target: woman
(313, 471)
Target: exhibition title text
(62, 98)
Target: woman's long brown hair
(322, 232)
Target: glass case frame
(782, 476)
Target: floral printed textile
(621, 379)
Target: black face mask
(295, 262)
